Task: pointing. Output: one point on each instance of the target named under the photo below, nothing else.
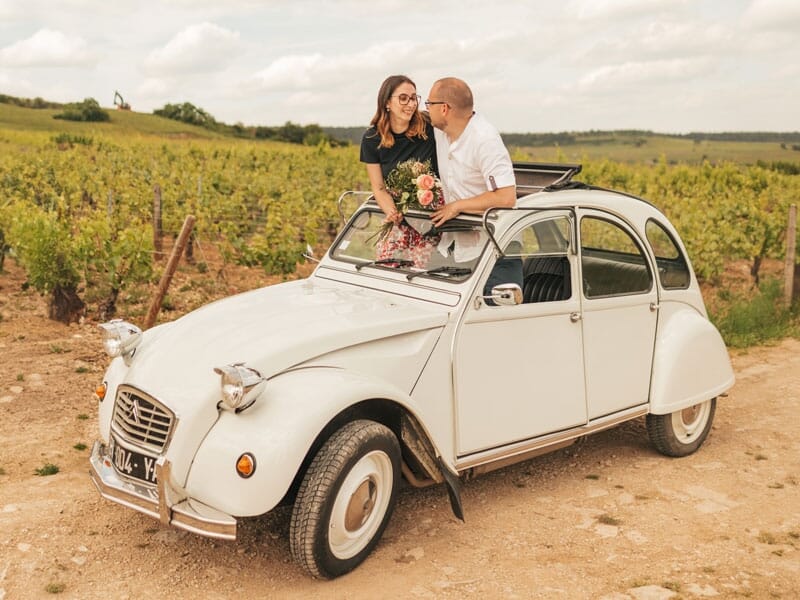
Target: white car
(325, 392)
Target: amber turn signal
(246, 465)
(100, 391)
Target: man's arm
(504, 197)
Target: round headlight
(120, 338)
(240, 385)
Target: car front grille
(141, 420)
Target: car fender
(278, 430)
(691, 363)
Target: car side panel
(691, 363)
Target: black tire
(682, 432)
(345, 499)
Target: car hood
(270, 329)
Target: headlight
(240, 385)
(121, 338)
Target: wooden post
(169, 271)
(791, 239)
(158, 232)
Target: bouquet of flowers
(412, 185)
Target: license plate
(133, 464)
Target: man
(475, 169)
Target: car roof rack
(534, 177)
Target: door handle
(575, 317)
(654, 306)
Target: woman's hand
(394, 217)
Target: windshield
(414, 247)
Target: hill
(123, 123)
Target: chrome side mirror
(309, 254)
(506, 294)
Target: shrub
(88, 110)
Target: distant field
(649, 149)
(122, 123)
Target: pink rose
(425, 182)
(425, 197)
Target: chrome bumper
(165, 502)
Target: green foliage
(750, 319)
(28, 102)
(44, 246)
(88, 110)
(187, 113)
(47, 469)
(69, 140)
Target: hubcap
(360, 505)
(688, 424)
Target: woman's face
(399, 111)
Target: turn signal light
(246, 465)
(100, 391)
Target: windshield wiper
(447, 270)
(400, 262)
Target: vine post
(158, 232)
(791, 247)
(169, 271)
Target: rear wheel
(345, 499)
(682, 432)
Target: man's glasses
(429, 103)
(406, 98)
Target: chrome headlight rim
(240, 386)
(121, 338)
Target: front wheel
(345, 499)
(682, 432)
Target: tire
(682, 432)
(345, 499)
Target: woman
(398, 132)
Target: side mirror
(309, 254)
(506, 294)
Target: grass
(756, 317)
(83, 417)
(80, 446)
(608, 520)
(122, 124)
(55, 588)
(650, 148)
(47, 469)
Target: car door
(518, 370)
(619, 311)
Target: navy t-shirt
(404, 149)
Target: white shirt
(476, 162)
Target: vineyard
(76, 209)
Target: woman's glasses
(406, 98)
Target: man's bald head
(456, 93)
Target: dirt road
(608, 518)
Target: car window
(413, 247)
(673, 270)
(543, 247)
(612, 263)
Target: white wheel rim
(360, 505)
(688, 424)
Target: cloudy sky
(534, 65)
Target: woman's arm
(382, 197)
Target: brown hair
(381, 119)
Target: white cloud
(629, 75)
(773, 15)
(202, 47)
(621, 9)
(48, 48)
(664, 39)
